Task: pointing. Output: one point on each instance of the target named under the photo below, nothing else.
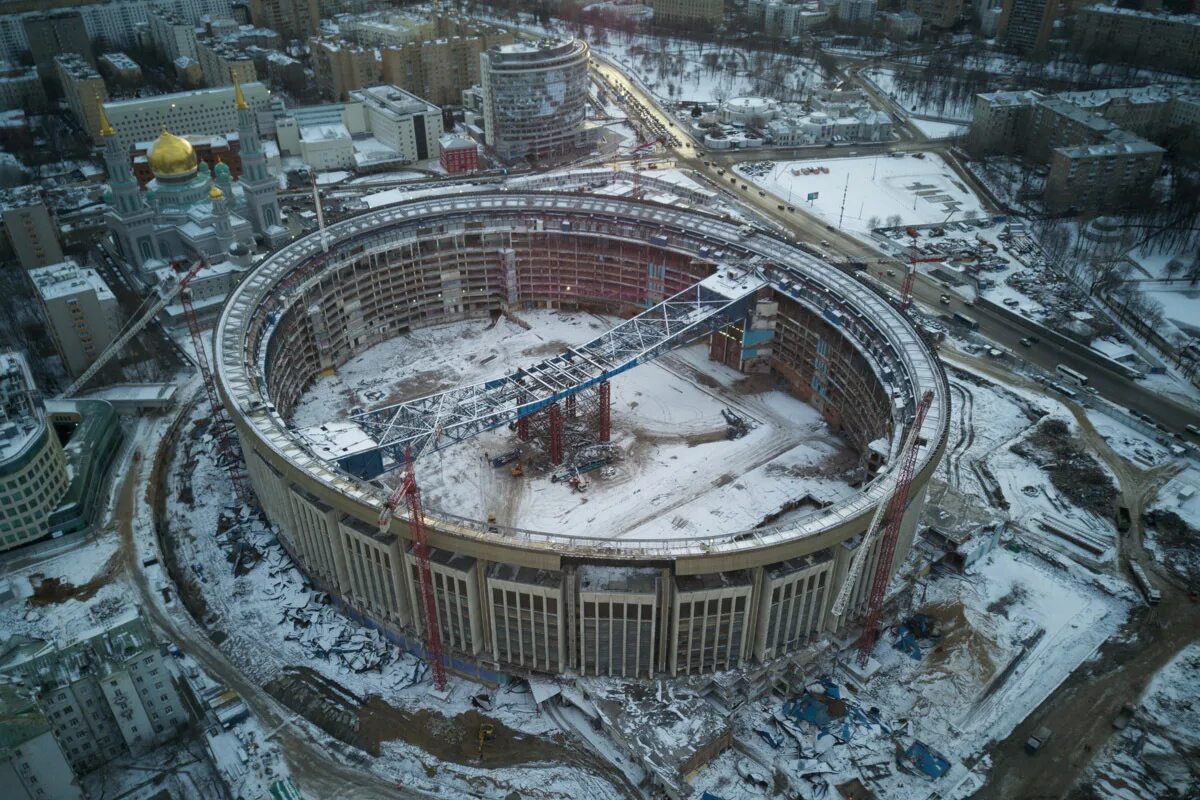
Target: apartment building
(341, 67)
(84, 90)
(120, 67)
(222, 64)
(32, 765)
(404, 122)
(1095, 178)
(201, 112)
(1150, 38)
(173, 36)
(938, 13)
(294, 19)
(104, 694)
(21, 87)
(1026, 25)
(57, 33)
(388, 28)
(860, 12)
(689, 13)
(82, 312)
(440, 69)
(33, 235)
(33, 466)
(535, 98)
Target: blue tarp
(926, 759)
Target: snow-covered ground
(939, 130)
(677, 475)
(934, 103)
(858, 194)
(1155, 756)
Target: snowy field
(872, 190)
(933, 103)
(676, 475)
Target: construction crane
(895, 505)
(159, 299)
(408, 491)
(910, 275)
(221, 426)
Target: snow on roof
(336, 440)
(68, 278)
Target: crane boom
(860, 557)
(165, 295)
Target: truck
(506, 458)
(1153, 596)
(1038, 740)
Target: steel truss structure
(440, 420)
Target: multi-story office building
(1153, 38)
(33, 467)
(938, 13)
(55, 33)
(440, 69)
(202, 112)
(105, 694)
(82, 311)
(222, 64)
(84, 91)
(689, 13)
(294, 19)
(21, 87)
(173, 36)
(341, 67)
(33, 235)
(402, 121)
(1026, 25)
(535, 98)
(32, 765)
(459, 154)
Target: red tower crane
(896, 507)
(408, 492)
(222, 427)
(911, 274)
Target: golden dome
(214, 193)
(171, 155)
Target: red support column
(556, 428)
(605, 412)
(571, 406)
(523, 428)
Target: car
(825, 243)
(944, 299)
(791, 208)
(830, 228)
(780, 207)
(720, 171)
(761, 193)
(744, 187)
(1027, 342)
(891, 273)
(1011, 302)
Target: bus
(963, 319)
(1077, 378)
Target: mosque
(189, 211)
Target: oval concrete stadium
(514, 600)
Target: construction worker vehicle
(506, 458)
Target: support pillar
(605, 411)
(523, 428)
(716, 346)
(571, 406)
(556, 437)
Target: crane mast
(889, 520)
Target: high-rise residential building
(534, 98)
(21, 87)
(54, 33)
(33, 467)
(341, 67)
(860, 12)
(1151, 38)
(938, 13)
(1026, 25)
(105, 694)
(294, 19)
(173, 36)
(439, 70)
(404, 122)
(689, 13)
(120, 67)
(33, 235)
(82, 311)
(202, 112)
(388, 28)
(223, 64)
(84, 91)
(32, 765)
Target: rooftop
(68, 278)
(392, 99)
